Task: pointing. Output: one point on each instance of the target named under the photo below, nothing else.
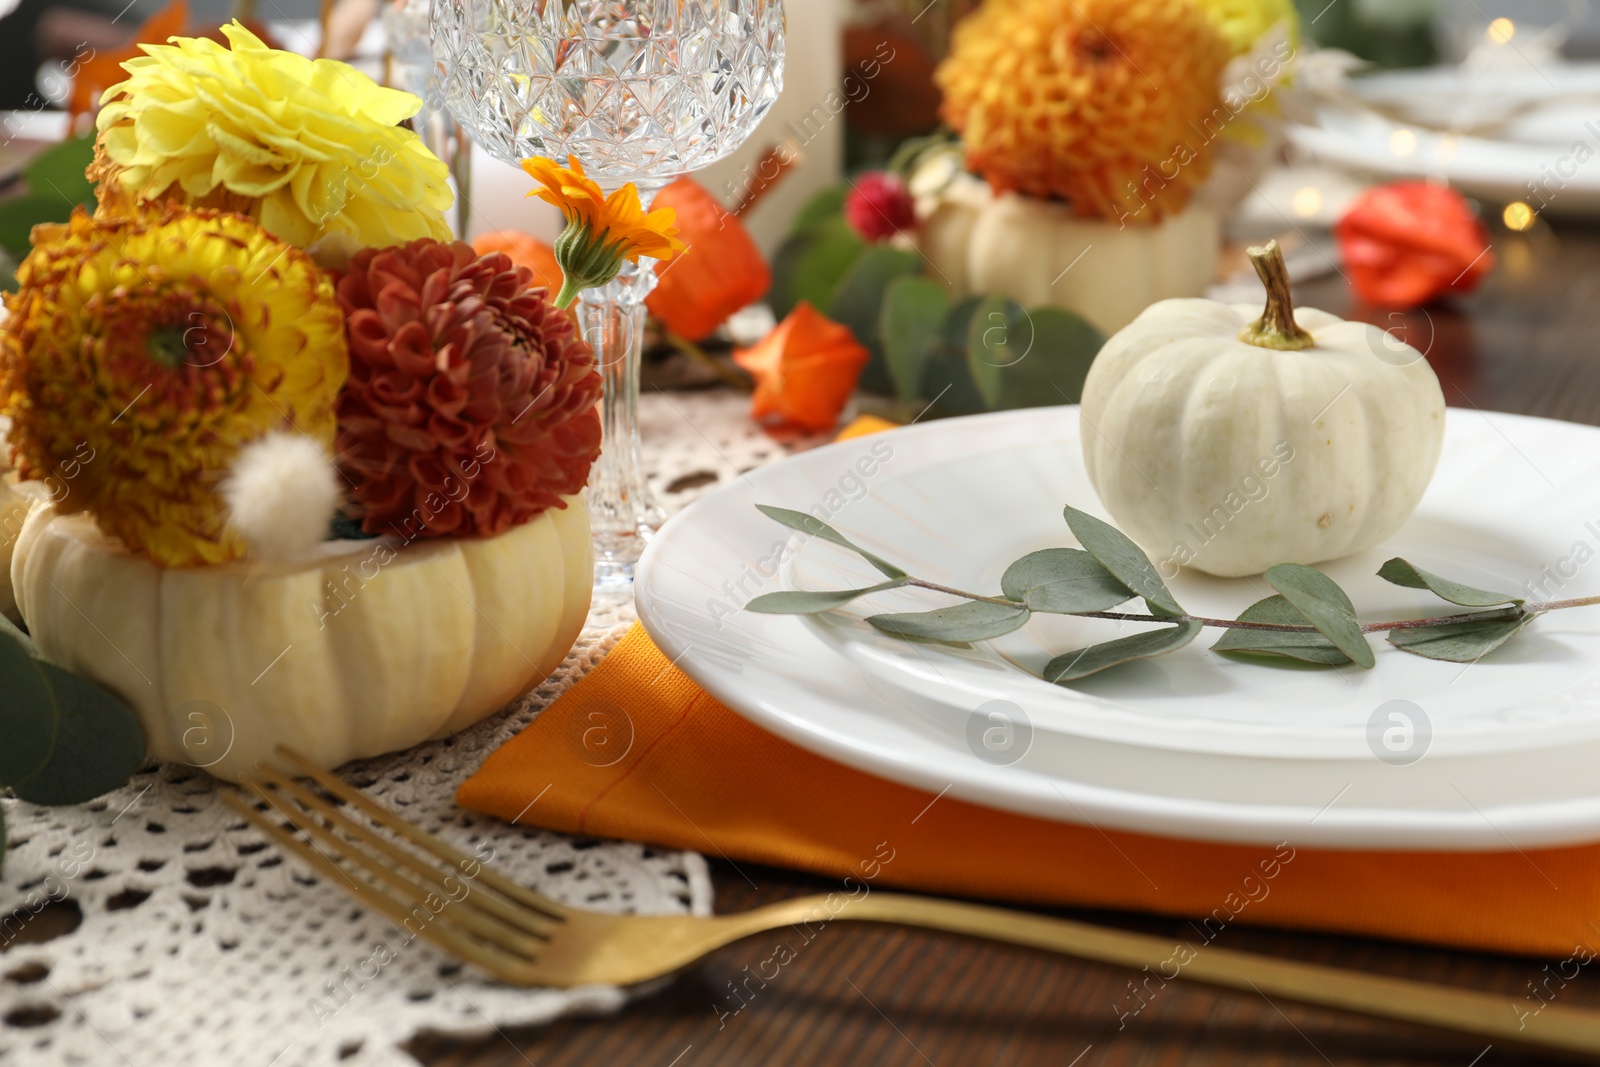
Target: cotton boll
(281, 493)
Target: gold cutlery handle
(1487, 1015)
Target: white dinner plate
(1502, 753)
(1545, 114)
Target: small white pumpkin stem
(1276, 327)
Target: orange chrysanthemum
(602, 231)
(471, 404)
(1107, 103)
(805, 371)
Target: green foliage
(1307, 647)
(1071, 666)
(858, 300)
(1399, 572)
(811, 602)
(810, 524)
(962, 357)
(1460, 642)
(914, 311)
(1325, 606)
(1310, 620)
(56, 185)
(810, 263)
(1065, 581)
(1125, 560)
(66, 740)
(823, 207)
(976, 620)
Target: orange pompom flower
(602, 231)
(805, 371)
(1110, 104)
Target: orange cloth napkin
(637, 751)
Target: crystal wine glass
(640, 91)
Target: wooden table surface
(864, 995)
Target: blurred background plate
(1524, 133)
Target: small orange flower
(805, 371)
(602, 231)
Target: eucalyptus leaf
(946, 379)
(1324, 605)
(27, 723)
(913, 311)
(857, 302)
(58, 171)
(811, 602)
(976, 620)
(9, 629)
(1124, 559)
(20, 214)
(1000, 337)
(1309, 647)
(1071, 666)
(1401, 572)
(1064, 581)
(1031, 358)
(1460, 642)
(824, 206)
(810, 524)
(98, 743)
(809, 264)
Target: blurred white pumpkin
(1038, 253)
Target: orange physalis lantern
(805, 371)
(525, 251)
(719, 271)
(102, 70)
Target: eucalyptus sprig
(1310, 618)
(63, 739)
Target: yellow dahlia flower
(1099, 102)
(602, 231)
(141, 353)
(309, 148)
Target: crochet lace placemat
(197, 943)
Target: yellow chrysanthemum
(1099, 102)
(311, 149)
(141, 353)
(601, 231)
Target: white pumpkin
(1232, 445)
(1038, 253)
(14, 506)
(372, 647)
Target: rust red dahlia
(470, 406)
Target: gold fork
(474, 913)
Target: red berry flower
(470, 406)
(880, 206)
